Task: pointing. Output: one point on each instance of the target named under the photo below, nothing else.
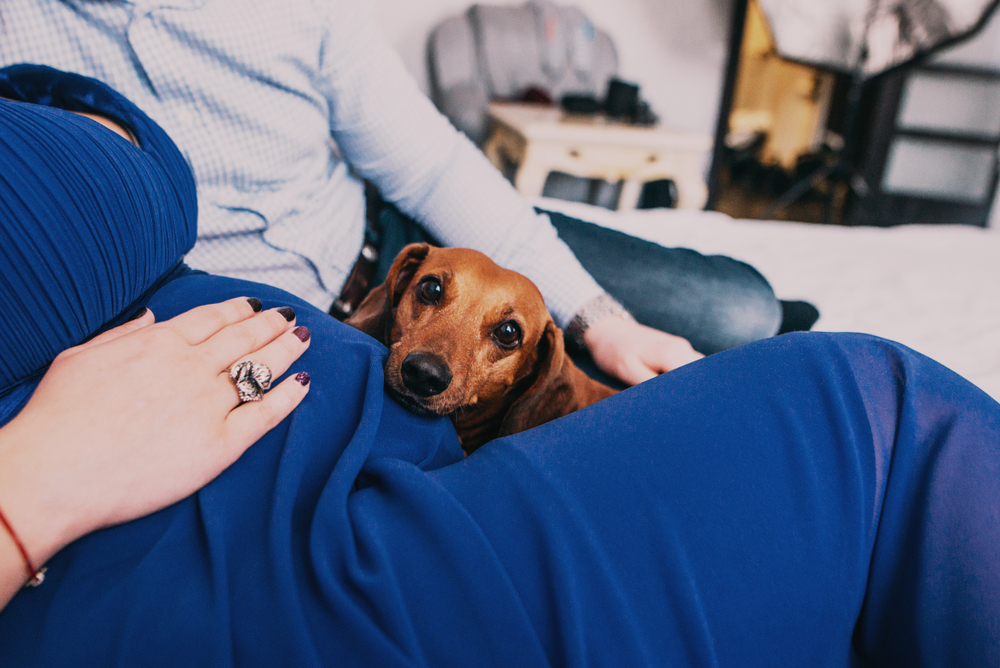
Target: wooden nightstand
(539, 139)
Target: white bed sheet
(935, 289)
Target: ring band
(251, 379)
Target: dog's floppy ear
(551, 394)
(374, 314)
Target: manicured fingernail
(303, 378)
(287, 313)
(302, 333)
(141, 312)
(255, 304)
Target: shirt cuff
(598, 308)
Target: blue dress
(808, 500)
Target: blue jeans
(713, 301)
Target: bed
(935, 289)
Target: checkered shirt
(279, 108)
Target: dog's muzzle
(425, 374)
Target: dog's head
(464, 335)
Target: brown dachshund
(469, 339)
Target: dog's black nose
(424, 374)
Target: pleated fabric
(88, 221)
(808, 500)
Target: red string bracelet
(35, 575)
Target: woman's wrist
(34, 514)
(34, 575)
(23, 549)
(12, 572)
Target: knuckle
(291, 345)
(263, 417)
(162, 338)
(245, 338)
(218, 314)
(258, 421)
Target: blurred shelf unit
(931, 154)
(534, 142)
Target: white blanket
(935, 289)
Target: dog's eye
(429, 290)
(507, 334)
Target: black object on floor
(797, 316)
(659, 194)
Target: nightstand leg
(629, 197)
(530, 179)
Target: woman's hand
(633, 352)
(139, 418)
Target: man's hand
(632, 352)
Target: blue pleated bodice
(89, 222)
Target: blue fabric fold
(90, 221)
(809, 500)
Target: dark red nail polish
(302, 333)
(255, 304)
(303, 378)
(287, 313)
(141, 312)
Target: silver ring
(251, 379)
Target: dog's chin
(411, 403)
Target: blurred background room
(927, 137)
(847, 149)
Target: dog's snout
(424, 374)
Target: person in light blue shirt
(283, 109)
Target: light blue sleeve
(392, 135)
